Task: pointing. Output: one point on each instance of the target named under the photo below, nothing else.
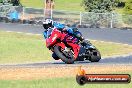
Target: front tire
(55, 56)
(95, 56)
(62, 56)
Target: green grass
(56, 83)
(59, 4)
(119, 10)
(33, 3)
(22, 48)
(70, 5)
(110, 49)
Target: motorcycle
(68, 49)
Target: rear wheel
(95, 56)
(65, 56)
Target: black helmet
(47, 23)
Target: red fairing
(62, 45)
(51, 41)
(76, 49)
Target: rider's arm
(45, 34)
(62, 27)
(59, 26)
(69, 30)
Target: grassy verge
(33, 3)
(70, 5)
(21, 48)
(56, 83)
(111, 49)
(59, 4)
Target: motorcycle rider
(48, 24)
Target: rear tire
(95, 56)
(58, 52)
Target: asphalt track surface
(112, 35)
(120, 60)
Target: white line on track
(109, 42)
(86, 39)
(24, 33)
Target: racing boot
(84, 42)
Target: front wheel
(95, 56)
(55, 56)
(65, 56)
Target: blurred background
(79, 13)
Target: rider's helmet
(47, 23)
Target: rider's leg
(80, 37)
(45, 34)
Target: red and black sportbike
(68, 48)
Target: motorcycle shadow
(77, 62)
(108, 60)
